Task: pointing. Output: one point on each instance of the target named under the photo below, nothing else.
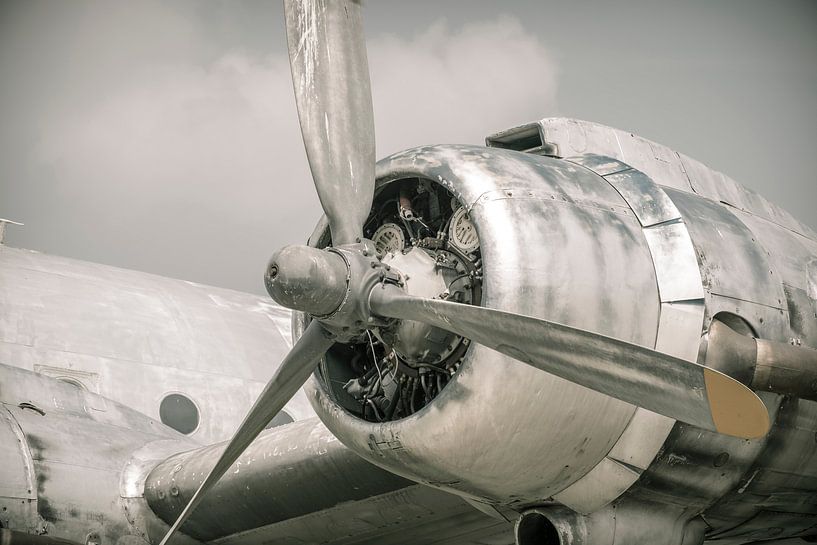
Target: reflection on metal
(257, 490)
(63, 451)
(681, 319)
(546, 252)
(590, 242)
(782, 368)
(564, 137)
(626, 522)
(133, 337)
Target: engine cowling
(555, 241)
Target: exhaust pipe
(762, 365)
(633, 523)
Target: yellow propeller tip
(736, 410)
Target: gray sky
(163, 136)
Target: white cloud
(459, 85)
(193, 157)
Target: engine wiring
(379, 385)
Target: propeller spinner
(343, 287)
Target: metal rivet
(721, 459)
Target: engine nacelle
(556, 241)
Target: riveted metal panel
(681, 317)
(602, 165)
(721, 188)
(17, 473)
(676, 268)
(644, 434)
(787, 252)
(608, 477)
(658, 161)
(573, 137)
(732, 261)
(133, 337)
(680, 322)
(557, 242)
(648, 200)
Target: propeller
(287, 380)
(664, 384)
(330, 74)
(338, 286)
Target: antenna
(3, 223)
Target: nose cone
(306, 279)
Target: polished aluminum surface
(72, 447)
(135, 337)
(546, 253)
(681, 314)
(330, 74)
(670, 386)
(496, 429)
(287, 379)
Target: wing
(299, 484)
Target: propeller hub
(331, 285)
(306, 279)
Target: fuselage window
(180, 413)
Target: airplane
(570, 335)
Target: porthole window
(180, 413)
(279, 420)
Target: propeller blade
(330, 74)
(676, 388)
(290, 376)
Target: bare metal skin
(547, 308)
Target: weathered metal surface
(719, 187)
(408, 516)
(12, 537)
(75, 455)
(753, 256)
(572, 137)
(497, 429)
(555, 240)
(288, 472)
(135, 337)
(648, 200)
(18, 486)
(564, 137)
(740, 271)
(788, 252)
(141, 518)
(782, 368)
(682, 311)
(733, 264)
(782, 480)
(295, 368)
(667, 385)
(626, 523)
(330, 75)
